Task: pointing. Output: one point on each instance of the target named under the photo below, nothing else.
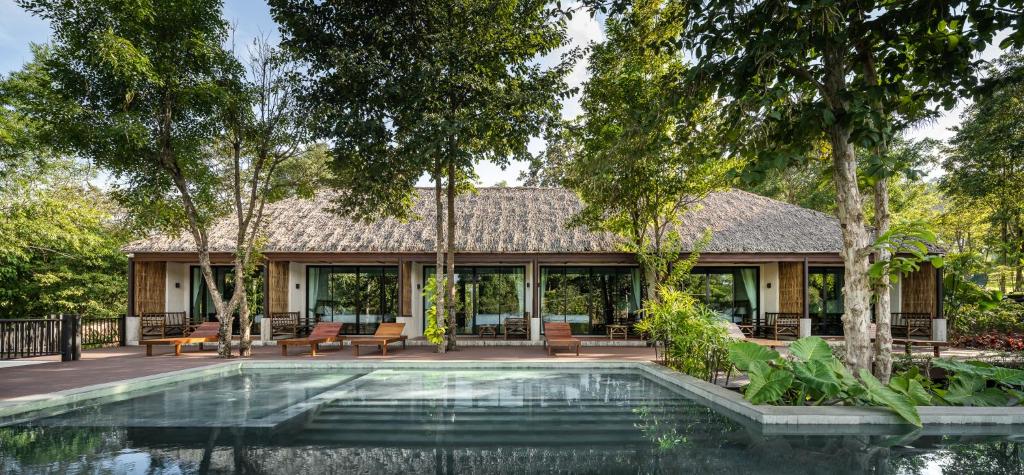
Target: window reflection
(486, 295)
(359, 297)
(590, 298)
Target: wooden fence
(63, 335)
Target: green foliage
(433, 333)
(60, 243)
(692, 335)
(1002, 316)
(648, 149)
(814, 376)
(396, 86)
(984, 165)
(906, 245)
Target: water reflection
(508, 422)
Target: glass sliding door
(485, 296)
(589, 298)
(733, 292)
(825, 299)
(201, 308)
(359, 297)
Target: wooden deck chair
(205, 333)
(559, 334)
(323, 332)
(386, 333)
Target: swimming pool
(343, 420)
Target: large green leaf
(879, 394)
(767, 384)
(818, 376)
(744, 353)
(909, 386)
(811, 348)
(967, 389)
(848, 384)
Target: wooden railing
(103, 332)
(30, 337)
(63, 335)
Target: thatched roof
(521, 220)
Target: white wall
(769, 296)
(297, 297)
(177, 297)
(896, 296)
(416, 300)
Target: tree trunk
(857, 286)
(450, 247)
(439, 294)
(883, 317)
(245, 326)
(651, 282)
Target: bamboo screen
(918, 291)
(150, 287)
(791, 287)
(278, 286)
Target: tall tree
(851, 72)
(407, 88)
(261, 156)
(648, 150)
(984, 165)
(139, 88)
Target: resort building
(767, 262)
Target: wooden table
(613, 330)
(488, 330)
(747, 330)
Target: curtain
(197, 283)
(313, 288)
(543, 290)
(749, 277)
(637, 290)
(518, 277)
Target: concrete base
(535, 329)
(407, 331)
(805, 327)
(265, 330)
(939, 329)
(132, 331)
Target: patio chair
(324, 332)
(386, 333)
(284, 323)
(162, 324)
(559, 334)
(205, 333)
(515, 326)
(786, 326)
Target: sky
(251, 18)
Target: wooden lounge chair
(204, 333)
(560, 334)
(324, 332)
(386, 333)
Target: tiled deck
(114, 364)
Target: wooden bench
(386, 333)
(325, 332)
(163, 324)
(204, 333)
(515, 326)
(559, 334)
(284, 323)
(908, 343)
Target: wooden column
(806, 297)
(131, 287)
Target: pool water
(408, 421)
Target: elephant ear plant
(814, 376)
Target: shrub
(992, 341)
(1005, 317)
(693, 338)
(433, 333)
(814, 376)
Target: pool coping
(808, 420)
